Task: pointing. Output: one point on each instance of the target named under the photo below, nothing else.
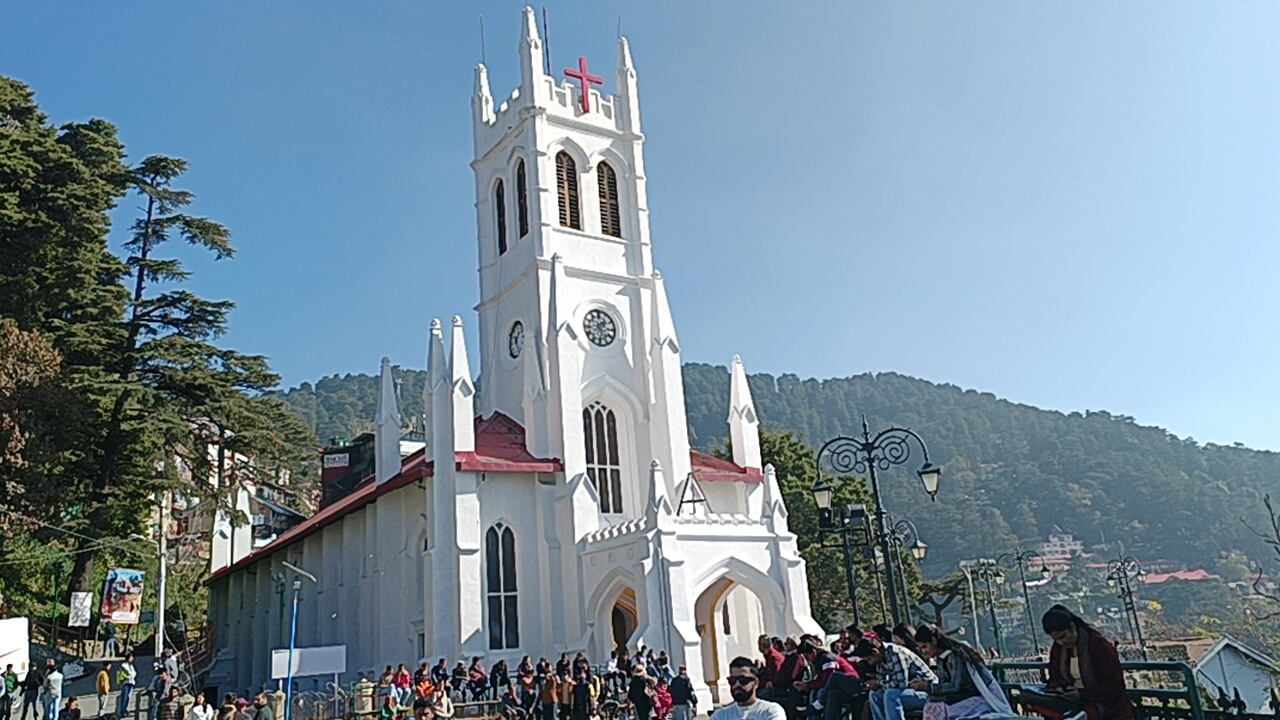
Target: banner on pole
(122, 596)
(81, 609)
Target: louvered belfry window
(610, 216)
(500, 208)
(522, 199)
(604, 469)
(567, 184)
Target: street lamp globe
(930, 475)
(999, 578)
(919, 549)
(823, 494)
(1045, 572)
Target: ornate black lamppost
(903, 534)
(987, 571)
(868, 454)
(1120, 575)
(1022, 559)
(851, 526)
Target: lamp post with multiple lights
(988, 571)
(903, 534)
(851, 526)
(871, 454)
(1021, 559)
(1121, 573)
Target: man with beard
(744, 676)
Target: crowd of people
(880, 674)
(569, 689)
(883, 673)
(40, 693)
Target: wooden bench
(1160, 690)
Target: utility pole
(162, 548)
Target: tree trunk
(82, 570)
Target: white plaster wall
(1229, 669)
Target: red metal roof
(713, 469)
(499, 448)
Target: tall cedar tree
(171, 391)
(111, 379)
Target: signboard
(81, 609)
(324, 660)
(15, 645)
(122, 596)
(337, 460)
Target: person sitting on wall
(1084, 667)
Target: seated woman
(1084, 666)
(965, 687)
(477, 680)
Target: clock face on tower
(599, 328)
(515, 340)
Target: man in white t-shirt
(744, 677)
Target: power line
(82, 536)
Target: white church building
(553, 520)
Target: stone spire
(387, 429)
(659, 510)
(464, 429)
(668, 424)
(774, 509)
(482, 100)
(435, 376)
(530, 56)
(744, 427)
(627, 90)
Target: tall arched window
(567, 187)
(500, 571)
(522, 199)
(610, 217)
(600, 432)
(500, 207)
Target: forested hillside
(1011, 471)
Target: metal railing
(1159, 690)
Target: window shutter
(610, 216)
(567, 185)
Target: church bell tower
(577, 341)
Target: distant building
(1058, 550)
(1192, 575)
(1223, 666)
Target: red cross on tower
(586, 79)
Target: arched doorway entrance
(623, 618)
(729, 618)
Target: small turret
(530, 55)
(628, 94)
(464, 429)
(387, 429)
(482, 100)
(744, 426)
(436, 375)
(659, 510)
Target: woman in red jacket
(1084, 666)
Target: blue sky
(1069, 204)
